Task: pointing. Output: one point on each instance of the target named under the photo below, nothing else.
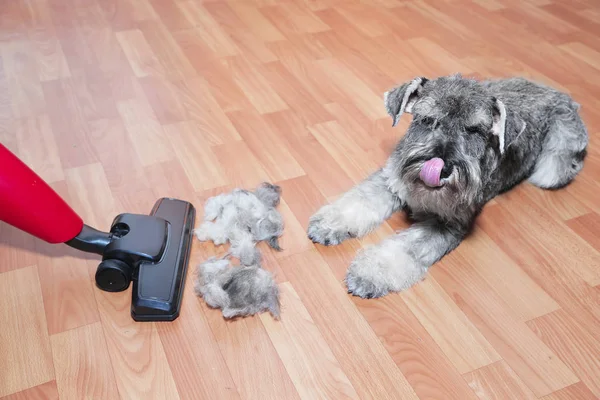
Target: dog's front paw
(327, 227)
(379, 270)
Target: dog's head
(456, 137)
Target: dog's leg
(356, 213)
(563, 153)
(401, 260)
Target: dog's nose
(446, 171)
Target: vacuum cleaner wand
(150, 250)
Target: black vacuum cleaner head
(150, 250)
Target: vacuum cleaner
(150, 250)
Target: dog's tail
(274, 243)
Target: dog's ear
(499, 123)
(507, 126)
(402, 98)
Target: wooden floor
(118, 102)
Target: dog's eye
(427, 121)
(474, 130)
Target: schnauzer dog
(468, 141)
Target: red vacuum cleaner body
(150, 250)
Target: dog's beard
(457, 193)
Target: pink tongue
(431, 171)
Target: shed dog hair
(237, 291)
(243, 218)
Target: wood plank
(195, 155)
(309, 153)
(561, 203)
(171, 15)
(38, 148)
(304, 200)
(208, 29)
(20, 67)
(146, 133)
(257, 88)
(575, 254)
(25, 346)
(253, 48)
(359, 93)
(294, 94)
(166, 50)
(268, 146)
(192, 351)
(46, 391)
(168, 179)
(569, 290)
(164, 99)
(202, 107)
(69, 123)
(528, 356)
(577, 391)
(459, 339)
(239, 165)
(66, 288)
(135, 349)
(498, 382)
(125, 14)
(291, 17)
(17, 248)
(255, 21)
(294, 239)
(82, 364)
(120, 163)
(575, 346)
(488, 262)
(420, 360)
(347, 153)
(588, 227)
(372, 372)
(141, 57)
(305, 354)
(90, 195)
(256, 369)
(50, 58)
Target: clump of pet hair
(243, 218)
(237, 291)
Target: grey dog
(468, 141)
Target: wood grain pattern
(136, 352)
(307, 358)
(458, 338)
(82, 364)
(66, 289)
(344, 329)
(578, 348)
(576, 391)
(46, 391)
(118, 103)
(519, 347)
(248, 340)
(497, 382)
(425, 367)
(25, 347)
(523, 296)
(38, 148)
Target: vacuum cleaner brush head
(158, 289)
(150, 250)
